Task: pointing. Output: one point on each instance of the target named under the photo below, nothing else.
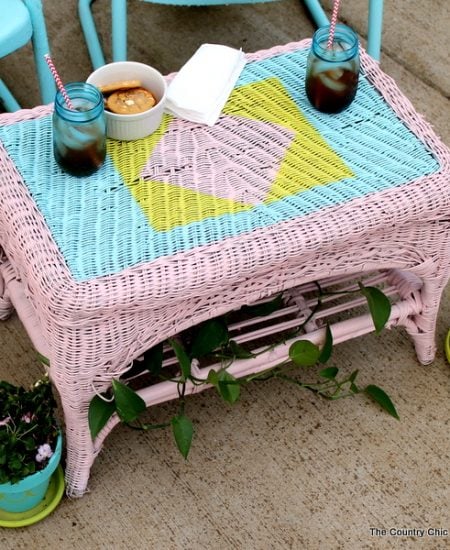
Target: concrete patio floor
(280, 469)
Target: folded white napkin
(201, 88)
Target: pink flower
(27, 418)
(44, 451)
(5, 421)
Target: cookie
(130, 102)
(119, 85)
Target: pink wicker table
(194, 222)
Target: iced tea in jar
(79, 133)
(332, 69)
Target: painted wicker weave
(194, 221)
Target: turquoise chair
(20, 22)
(119, 24)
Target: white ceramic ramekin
(136, 126)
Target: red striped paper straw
(58, 81)
(334, 17)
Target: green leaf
(183, 358)
(209, 336)
(183, 431)
(228, 387)
(29, 443)
(260, 310)
(353, 375)
(212, 378)
(44, 360)
(99, 413)
(327, 348)
(329, 373)
(304, 353)
(381, 397)
(129, 405)
(379, 305)
(15, 463)
(238, 351)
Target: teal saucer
(51, 500)
(447, 346)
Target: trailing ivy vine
(211, 340)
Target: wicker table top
(193, 206)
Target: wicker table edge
(46, 273)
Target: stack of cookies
(127, 97)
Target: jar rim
(342, 33)
(79, 90)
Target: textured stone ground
(280, 469)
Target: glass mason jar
(332, 73)
(79, 135)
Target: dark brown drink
(333, 90)
(80, 162)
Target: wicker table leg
(6, 273)
(433, 272)
(79, 373)
(80, 453)
(424, 333)
(79, 445)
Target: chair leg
(8, 100)
(375, 27)
(317, 12)
(119, 29)
(40, 48)
(90, 33)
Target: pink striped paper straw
(58, 81)
(334, 17)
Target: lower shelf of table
(342, 307)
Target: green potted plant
(30, 450)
